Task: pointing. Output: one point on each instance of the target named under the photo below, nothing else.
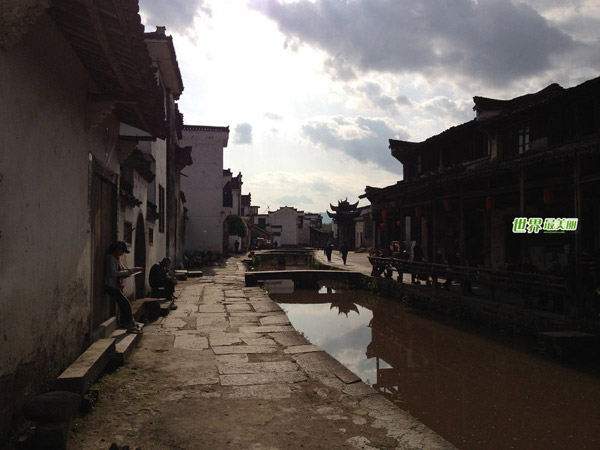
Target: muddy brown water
(478, 389)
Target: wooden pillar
(522, 208)
(434, 231)
(461, 231)
(578, 243)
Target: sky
(312, 90)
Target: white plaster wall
(304, 232)
(45, 247)
(158, 149)
(286, 217)
(203, 189)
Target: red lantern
(548, 196)
(490, 203)
(399, 223)
(418, 211)
(447, 205)
(383, 225)
(384, 214)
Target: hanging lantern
(548, 196)
(490, 203)
(383, 225)
(384, 214)
(399, 223)
(447, 205)
(418, 211)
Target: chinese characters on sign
(547, 225)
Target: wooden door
(104, 225)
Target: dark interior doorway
(140, 257)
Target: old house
(515, 189)
(203, 187)
(82, 163)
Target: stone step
(125, 343)
(194, 273)
(105, 329)
(86, 369)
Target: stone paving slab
(247, 349)
(290, 338)
(228, 368)
(267, 329)
(321, 363)
(261, 378)
(174, 322)
(264, 306)
(279, 319)
(309, 348)
(223, 341)
(259, 341)
(237, 307)
(234, 293)
(191, 342)
(215, 308)
(261, 391)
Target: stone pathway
(227, 370)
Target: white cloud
(243, 134)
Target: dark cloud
(243, 134)
(497, 41)
(375, 95)
(363, 139)
(176, 15)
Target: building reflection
(478, 393)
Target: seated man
(159, 279)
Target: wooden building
(515, 189)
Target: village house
(515, 189)
(290, 227)
(88, 156)
(204, 188)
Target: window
(150, 236)
(523, 140)
(161, 209)
(127, 232)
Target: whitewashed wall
(45, 246)
(203, 188)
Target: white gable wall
(203, 187)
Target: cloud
(176, 15)
(364, 139)
(243, 134)
(272, 116)
(496, 41)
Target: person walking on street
(328, 251)
(344, 252)
(114, 274)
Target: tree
(236, 226)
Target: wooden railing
(524, 284)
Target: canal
(476, 388)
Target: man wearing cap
(159, 278)
(114, 274)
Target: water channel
(477, 388)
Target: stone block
(80, 375)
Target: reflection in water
(477, 392)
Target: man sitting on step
(162, 284)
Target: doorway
(104, 230)
(139, 256)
